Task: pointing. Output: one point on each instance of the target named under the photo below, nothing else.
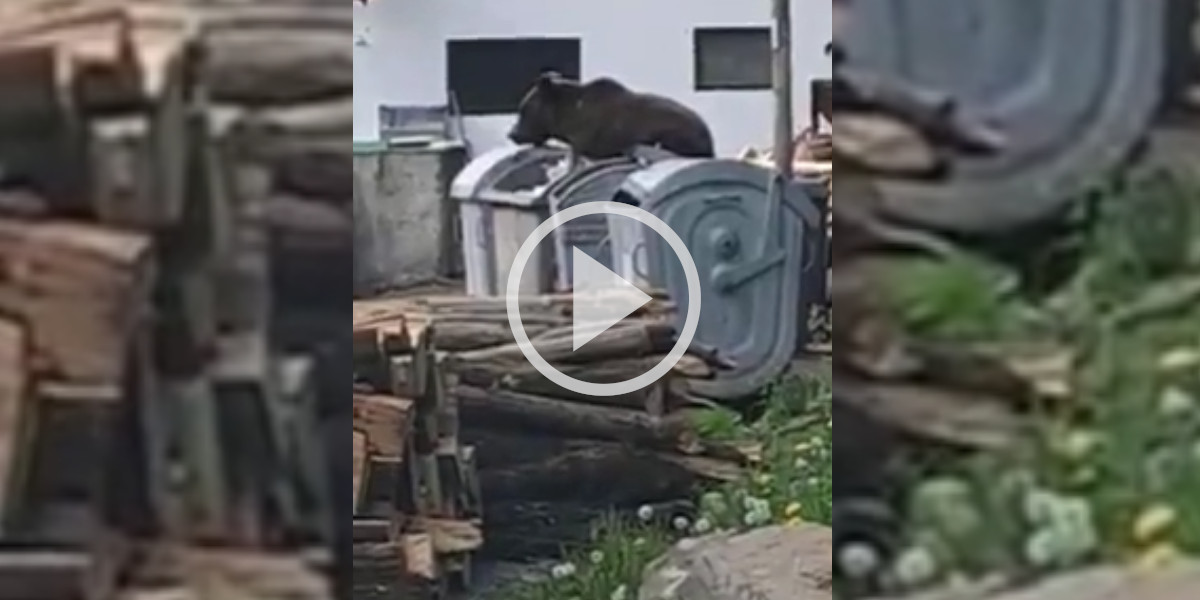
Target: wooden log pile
(506, 434)
(166, 167)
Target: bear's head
(543, 110)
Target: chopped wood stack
(532, 441)
(416, 493)
(73, 298)
(165, 164)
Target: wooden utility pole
(782, 79)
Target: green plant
(790, 481)
(1115, 475)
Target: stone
(1101, 583)
(773, 563)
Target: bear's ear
(549, 80)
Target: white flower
(596, 557)
(1180, 359)
(1039, 506)
(1176, 403)
(645, 513)
(858, 561)
(915, 567)
(702, 526)
(562, 571)
(680, 523)
(1042, 549)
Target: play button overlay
(602, 299)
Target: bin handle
(481, 233)
(641, 267)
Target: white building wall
(646, 44)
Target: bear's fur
(604, 119)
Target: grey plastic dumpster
(751, 239)
(502, 198)
(1073, 84)
(591, 182)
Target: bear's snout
(518, 135)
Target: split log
(14, 410)
(360, 467)
(303, 225)
(455, 333)
(386, 421)
(597, 472)
(630, 339)
(450, 536)
(265, 64)
(135, 39)
(547, 304)
(499, 408)
(498, 448)
(46, 574)
(526, 379)
(376, 530)
(80, 288)
(229, 573)
(379, 573)
(304, 148)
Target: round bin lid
(1073, 84)
(507, 170)
(749, 250)
(597, 181)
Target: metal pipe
(782, 82)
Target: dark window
(732, 58)
(490, 76)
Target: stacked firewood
(417, 505)
(519, 440)
(163, 161)
(74, 300)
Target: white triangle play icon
(601, 299)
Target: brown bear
(604, 119)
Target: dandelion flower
(1153, 523)
(1175, 403)
(714, 503)
(1042, 549)
(792, 510)
(915, 567)
(1039, 506)
(1180, 359)
(1158, 557)
(562, 571)
(596, 557)
(859, 560)
(645, 513)
(680, 523)
(1080, 444)
(702, 526)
